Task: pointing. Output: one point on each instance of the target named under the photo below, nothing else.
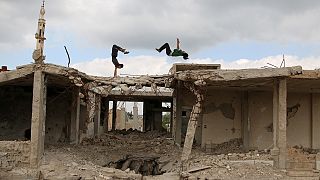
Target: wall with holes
(298, 119)
(221, 120)
(15, 112)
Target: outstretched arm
(178, 43)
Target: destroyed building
(273, 108)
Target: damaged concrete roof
(212, 78)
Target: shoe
(126, 52)
(157, 49)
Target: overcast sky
(235, 33)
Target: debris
(198, 169)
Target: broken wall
(14, 153)
(15, 111)
(298, 118)
(221, 119)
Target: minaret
(135, 111)
(38, 52)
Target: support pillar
(106, 118)
(91, 105)
(315, 143)
(192, 125)
(97, 114)
(176, 116)
(38, 118)
(279, 151)
(114, 115)
(245, 120)
(75, 117)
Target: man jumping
(114, 56)
(175, 52)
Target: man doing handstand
(114, 55)
(175, 52)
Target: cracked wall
(221, 117)
(260, 116)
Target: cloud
(141, 65)
(142, 24)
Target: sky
(237, 34)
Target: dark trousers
(114, 55)
(167, 47)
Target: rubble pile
(300, 154)
(117, 145)
(232, 146)
(145, 165)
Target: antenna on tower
(43, 3)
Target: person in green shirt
(175, 52)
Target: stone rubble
(90, 159)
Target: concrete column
(245, 126)
(176, 116)
(75, 116)
(315, 144)
(38, 118)
(114, 115)
(97, 114)
(279, 150)
(106, 118)
(91, 105)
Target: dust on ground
(92, 158)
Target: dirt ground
(92, 159)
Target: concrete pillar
(245, 126)
(176, 115)
(114, 115)
(75, 116)
(279, 151)
(38, 118)
(106, 118)
(91, 105)
(315, 143)
(97, 114)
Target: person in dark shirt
(175, 52)
(114, 55)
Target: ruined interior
(56, 122)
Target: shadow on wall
(226, 109)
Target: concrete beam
(192, 124)
(15, 74)
(38, 118)
(232, 75)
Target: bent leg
(167, 47)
